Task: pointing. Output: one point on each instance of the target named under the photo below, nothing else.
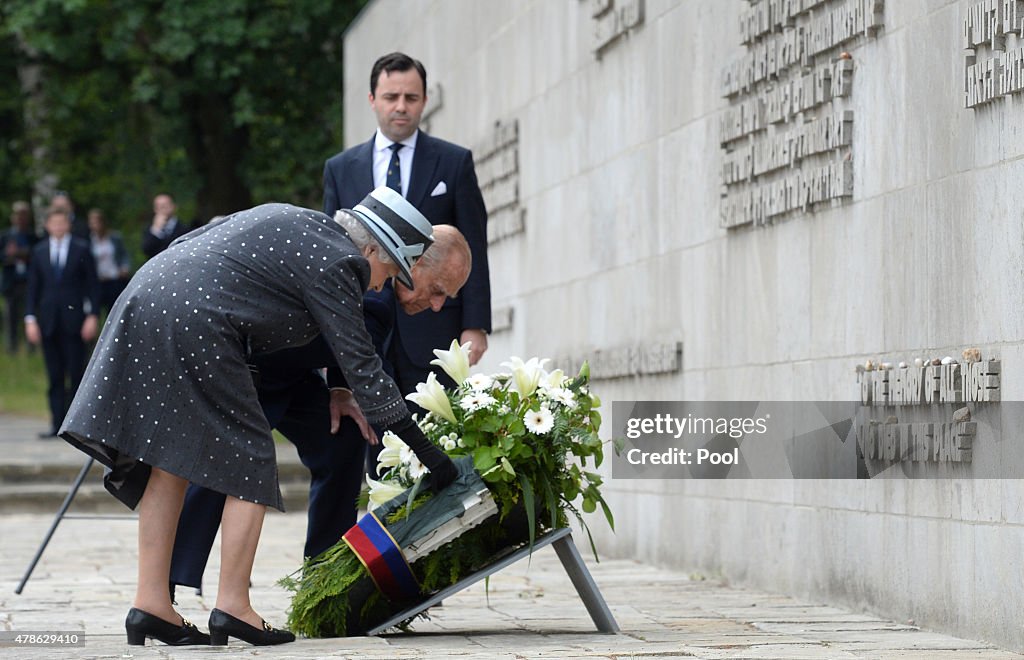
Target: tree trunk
(216, 150)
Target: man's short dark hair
(395, 62)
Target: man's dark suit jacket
(153, 245)
(58, 304)
(348, 177)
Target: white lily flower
(390, 456)
(554, 379)
(382, 491)
(454, 361)
(539, 421)
(525, 375)
(431, 396)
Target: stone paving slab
(86, 580)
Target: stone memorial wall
(752, 200)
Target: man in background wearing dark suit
(60, 310)
(163, 228)
(61, 201)
(438, 178)
(15, 253)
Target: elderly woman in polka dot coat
(168, 398)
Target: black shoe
(141, 625)
(223, 625)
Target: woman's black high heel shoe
(223, 625)
(139, 625)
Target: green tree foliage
(222, 103)
(15, 182)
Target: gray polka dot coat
(168, 385)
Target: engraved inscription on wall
(501, 319)
(787, 133)
(625, 361)
(497, 170)
(993, 38)
(612, 19)
(893, 435)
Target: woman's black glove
(442, 470)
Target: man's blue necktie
(57, 268)
(394, 178)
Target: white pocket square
(439, 189)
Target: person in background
(61, 201)
(113, 265)
(16, 251)
(60, 310)
(439, 179)
(163, 228)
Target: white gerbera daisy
(539, 421)
(476, 401)
(416, 468)
(406, 455)
(480, 382)
(562, 396)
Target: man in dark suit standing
(61, 201)
(163, 228)
(60, 309)
(438, 178)
(15, 254)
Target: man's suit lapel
(424, 163)
(362, 178)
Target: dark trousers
(109, 291)
(300, 411)
(64, 355)
(14, 322)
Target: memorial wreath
(521, 441)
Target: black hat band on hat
(410, 253)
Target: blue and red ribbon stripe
(383, 558)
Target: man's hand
(158, 224)
(89, 328)
(479, 347)
(343, 404)
(32, 332)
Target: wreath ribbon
(381, 555)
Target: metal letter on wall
(787, 133)
(497, 171)
(991, 70)
(611, 20)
